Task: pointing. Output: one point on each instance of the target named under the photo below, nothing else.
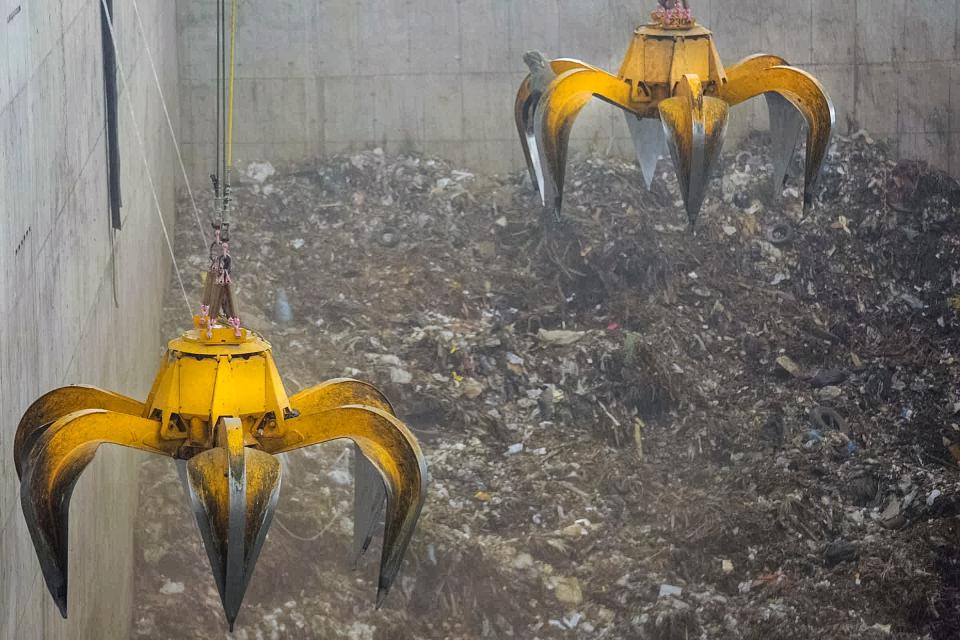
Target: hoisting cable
(221, 96)
(216, 171)
(225, 89)
(143, 153)
(166, 113)
(233, 66)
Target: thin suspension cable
(217, 159)
(143, 153)
(166, 113)
(233, 51)
(222, 89)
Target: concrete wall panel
(63, 322)
(426, 74)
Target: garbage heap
(633, 429)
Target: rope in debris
(143, 152)
(166, 113)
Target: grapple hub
(658, 58)
(202, 379)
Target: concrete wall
(69, 315)
(322, 76)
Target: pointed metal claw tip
(556, 211)
(61, 600)
(786, 125)
(648, 144)
(694, 126)
(234, 492)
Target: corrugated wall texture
(71, 313)
(321, 76)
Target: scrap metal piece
(53, 467)
(234, 493)
(694, 126)
(390, 446)
(649, 144)
(559, 107)
(786, 125)
(59, 402)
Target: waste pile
(634, 430)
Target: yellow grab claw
(234, 493)
(218, 403)
(60, 402)
(392, 449)
(768, 74)
(659, 68)
(542, 72)
(558, 108)
(369, 493)
(54, 465)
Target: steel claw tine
(369, 494)
(558, 109)
(368, 502)
(786, 125)
(525, 107)
(542, 73)
(648, 143)
(694, 126)
(765, 74)
(234, 492)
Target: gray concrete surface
(440, 75)
(71, 313)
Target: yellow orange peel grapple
(218, 406)
(674, 89)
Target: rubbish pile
(634, 430)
